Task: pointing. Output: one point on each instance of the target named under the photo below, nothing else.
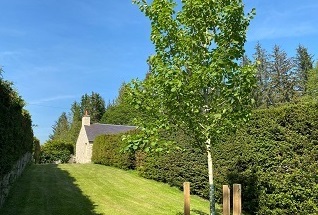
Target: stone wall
(7, 180)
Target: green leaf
(217, 116)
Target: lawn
(90, 189)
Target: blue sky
(56, 51)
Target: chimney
(86, 120)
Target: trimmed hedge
(16, 134)
(177, 166)
(274, 157)
(107, 150)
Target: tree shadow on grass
(47, 189)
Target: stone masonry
(8, 179)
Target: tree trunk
(210, 167)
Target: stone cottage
(89, 132)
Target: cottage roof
(97, 129)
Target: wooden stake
(237, 210)
(186, 191)
(226, 200)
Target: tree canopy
(195, 79)
(94, 104)
(121, 111)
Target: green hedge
(16, 134)
(177, 166)
(274, 157)
(107, 150)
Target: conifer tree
(94, 104)
(282, 75)
(304, 64)
(262, 93)
(61, 129)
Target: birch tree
(196, 81)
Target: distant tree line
(281, 78)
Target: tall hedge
(274, 157)
(177, 166)
(107, 150)
(16, 134)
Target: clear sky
(55, 51)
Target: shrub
(36, 150)
(56, 151)
(108, 150)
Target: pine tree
(61, 129)
(121, 111)
(262, 93)
(282, 75)
(94, 104)
(311, 86)
(304, 64)
(76, 122)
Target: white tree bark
(210, 167)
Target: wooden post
(237, 210)
(186, 191)
(226, 200)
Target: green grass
(93, 190)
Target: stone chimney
(86, 120)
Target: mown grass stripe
(93, 190)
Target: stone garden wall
(7, 180)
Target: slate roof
(97, 129)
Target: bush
(107, 150)
(56, 151)
(36, 150)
